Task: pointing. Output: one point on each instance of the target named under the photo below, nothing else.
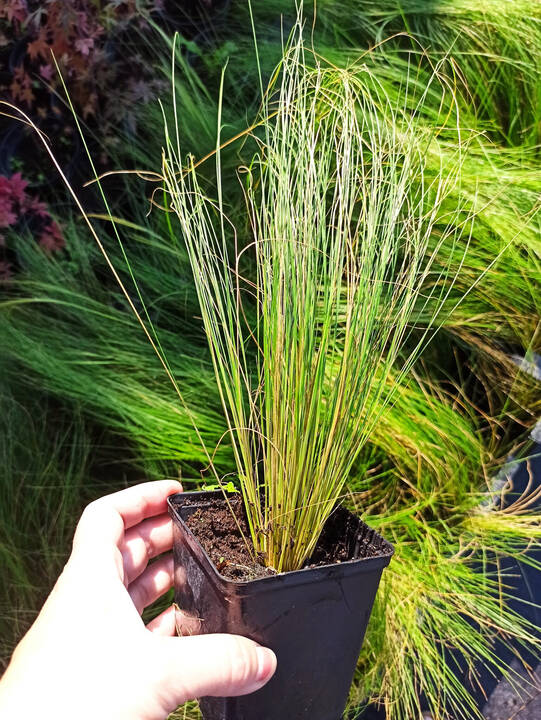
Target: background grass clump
(83, 390)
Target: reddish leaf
(16, 10)
(18, 188)
(27, 95)
(82, 23)
(39, 47)
(34, 205)
(84, 45)
(60, 46)
(21, 87)
(46, 72)
(51, 239)
(7, 216)
(5, 187)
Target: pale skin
(89, 655)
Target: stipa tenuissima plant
(341, 215)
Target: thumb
(217, 665)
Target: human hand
(89, 655)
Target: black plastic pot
(314, 619)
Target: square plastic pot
(314, 619)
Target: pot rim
(308, 574)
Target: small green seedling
(230, 488)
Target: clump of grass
(44, 460)
(494, 49)
(500, 187)
(443, 603)
(440, 623)
(77, 339)
(342, 216)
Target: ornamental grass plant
(342, 213)
(494, 47)
(461, 541)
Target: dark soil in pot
(223, 538)
(314, 619)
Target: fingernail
(266, 661)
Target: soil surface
(219, 532)
(226, 540)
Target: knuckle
(150, 548)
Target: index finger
(139, 502)
(111, 515)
